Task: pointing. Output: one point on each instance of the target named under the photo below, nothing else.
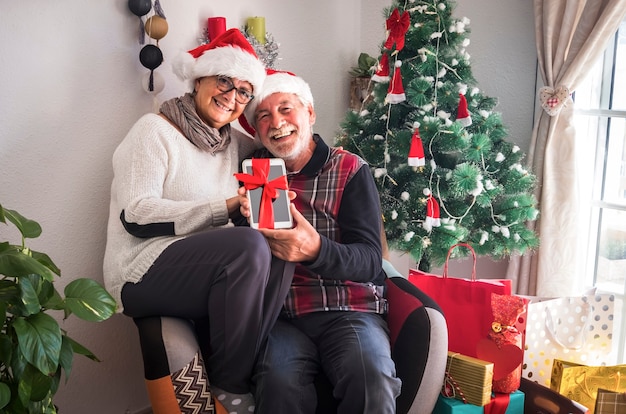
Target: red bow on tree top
(397, 25)
(259, 178)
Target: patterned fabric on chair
(174, 372)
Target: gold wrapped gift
(473, 377)
(581, 382)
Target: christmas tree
(437, 148)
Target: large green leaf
(6, 348)
(45, 260)
(67, 356)
(15, 263)
(39, 338)
(5, 394)
(33, 385)
(30, 229)
(30, 298)
(88, 300)
(80, 349)
(5, 294)
(45, 290)
(54, 299)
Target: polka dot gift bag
(576, 329)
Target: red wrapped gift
(504, 343)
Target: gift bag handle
(579, 343)
(454, 246)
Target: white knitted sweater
(161, 177)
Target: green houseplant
(360, 84)
(34, 350)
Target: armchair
(177, 382)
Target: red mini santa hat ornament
(432, 212)
(462, 114)
(229, 54)
(395, 92)
(382, 74)
(416, 151)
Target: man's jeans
(351, 348)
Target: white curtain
(570, 35)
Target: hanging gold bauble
(156, 27)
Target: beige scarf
(181, 112)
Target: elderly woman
(172, 249)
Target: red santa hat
(416, 152)
(276, 81)
(382, 74)
(432, 212)
(462, 114)
(229, 54)
(395, 92)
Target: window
(600, 122)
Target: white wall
(70, 88)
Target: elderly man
(332, 320)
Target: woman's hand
(232, 205)
(244, 202)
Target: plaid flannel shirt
(337, 194)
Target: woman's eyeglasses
(242, 96)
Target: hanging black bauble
(140, 7)
(151, 56)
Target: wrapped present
(268, 177)
(581, 382)
(577, 329)
(468, 379)
(502, 403)
(610, 402)
(504, 344)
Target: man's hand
(298, 244)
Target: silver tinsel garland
(267, 53)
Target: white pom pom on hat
(229, 54)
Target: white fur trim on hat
(232, 58)
(279, 82)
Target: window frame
(604, 119)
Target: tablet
(282, 215)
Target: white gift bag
(575, 329)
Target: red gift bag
(466, 303)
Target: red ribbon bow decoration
(259, 178)
(397, 25)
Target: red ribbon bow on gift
(397, 25)
(259, 178)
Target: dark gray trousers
(227, 281)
